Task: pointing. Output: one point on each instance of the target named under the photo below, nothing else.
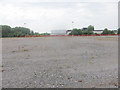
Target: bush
(76, 32)
(7, 31)
(106, 31)
(118, 30)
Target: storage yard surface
(60, 62)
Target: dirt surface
(60, 62)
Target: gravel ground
(60, 62)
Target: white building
(58, 32)
(98, 31)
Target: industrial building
(97, 31)
(60, 32)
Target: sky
(46, 15)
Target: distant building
(97, 31)
(85, 28)
(58, 32)
(68, 32)
(94, 31)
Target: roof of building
(97, 30)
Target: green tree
(36, 33)
(90, 28)
(6, 31)
(76, 31)
(32, 33)
(45, 34)
(88, 31)
(80, 31)
(111, 32)
(118, 30)
(21, 31)
(106, 31)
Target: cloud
(46, 16)
(26, 1)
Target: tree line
(7, 31)
(89, 31)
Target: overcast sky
(47, 15)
